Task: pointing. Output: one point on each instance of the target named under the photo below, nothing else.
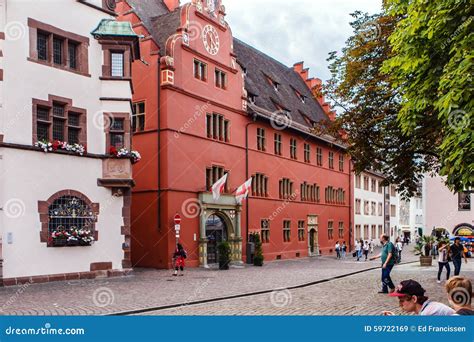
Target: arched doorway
(216, 232)
(312, 240)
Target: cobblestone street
(149, 289)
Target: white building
(445, 211)
(411, 217)
(65, 76)
(369, 218)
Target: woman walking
(366, 249)
(443, 249)
(178, 257)
(344, 249)
(358, 250)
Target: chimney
(172, 4)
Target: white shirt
(430, 308)
(399, 246)
(443, 257)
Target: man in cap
(411, 298)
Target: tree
(431, 67)
(373, 102)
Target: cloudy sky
(296, 30)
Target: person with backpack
(179, 256)
(388, 256)
(457, 253)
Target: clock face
(210, 38)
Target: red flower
(56, 144)
(113, 151)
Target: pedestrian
(457, 252)
(459, 291)
(412, 299)
(358, 248)
(366, 249)
(443, 249)
(399, 246)
(338, 250)
(344, 249)
(371, 245)
(179, 256)
(388, 255)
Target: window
(117, 133)
(373, 208)
(138, 117)
(373, 231)
(42, 45)
(259, 185)
(373, 185)
(357, 206)
(380, 230)
(293, 148)
(59, 121)
(286, 231)
(301, 231)
(217, 127)
(341, 229)
(393, 210)
(261, 139)
(286, 188)
(366, 207)
(58, 50)
(341, 162)
(464, 201)
(116, 62)
(330, 230)
(366, 231)
(357, 232)
(331, 160)
(380, 209)
(70, 216)
(72, 55)
(393, 191)
(200, 70)
(380, 187)
(278, 144)
(366, 183)
(310, 192)
(265, 231)
(307, 153)
(357, 181)
(319, 156)
(220, 79)
(213, 174)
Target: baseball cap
(408, 288)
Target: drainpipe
(159, 143)
(254, 119)
(351, 229)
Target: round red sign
(177, 219)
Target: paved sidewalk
(155, 288)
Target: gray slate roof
(162, 24)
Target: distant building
(447, 212)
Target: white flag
(218, 188)
(243, 191)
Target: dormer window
(303, 98)
(276, 86)
(252, 98)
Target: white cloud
(294, 31)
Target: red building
(207, 104)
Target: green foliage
(404, 86)
(425, 245)
(224, 252)
(258, 257)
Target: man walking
(457, 252)
(388, 256)
(338, 250)
(399, 246)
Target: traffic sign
(177, 219)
